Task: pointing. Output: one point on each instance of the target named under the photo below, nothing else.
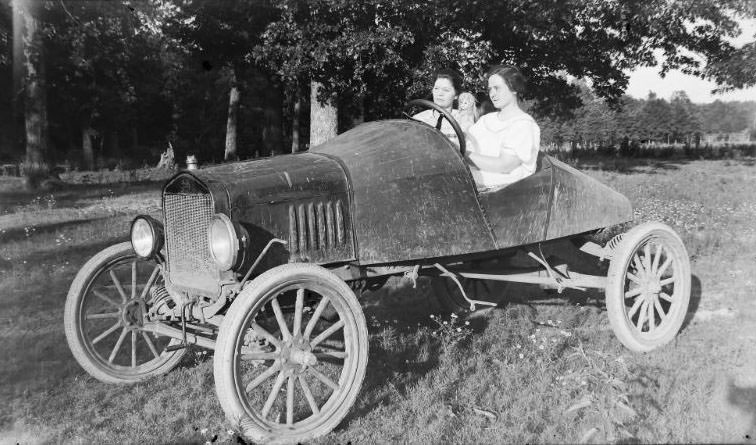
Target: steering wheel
(455, 125)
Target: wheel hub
(651, 287)
(297, 355)
(132, 314)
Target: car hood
(273, 180)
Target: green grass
(546, 371)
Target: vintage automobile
(262, 262)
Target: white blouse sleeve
(522, 138)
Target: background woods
(95, 84)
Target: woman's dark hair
(453, 76)
(511, 75)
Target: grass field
(537, 369)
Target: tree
(628, 120)
(117, 72)
(340, 47)
(106, 64)
(656, 119)
(233, 110)
(601, 41)
(684, 122)
(723, 117)
(7, 115)
(353, 48)
(221, 36)
(35, 92)
(734, 68)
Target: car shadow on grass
(403, 349)
(400, 312)
(398, 318)
(696, 289)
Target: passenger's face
(444, 93)
(499, 92)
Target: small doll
(467, 112)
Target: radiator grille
(316, 226)
(187, 217)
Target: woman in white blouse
(502, 147)
(447, 85)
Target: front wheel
(105, 312)
(284, 372)
(648, 287)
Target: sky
(644, 80)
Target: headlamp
(146, 236)
(224, 242)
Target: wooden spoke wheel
(284, 372)
(104, 316)
(648, 287)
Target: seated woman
(502, 147)
(446, 88)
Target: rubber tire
(75, 338)
(615, 286)
(249, 301)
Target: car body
(300, 235)
(389, 192)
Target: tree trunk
(18, 134)
(35, 100)
(167, 159)
(134, 140)
(86, 145)
(323, 117)
(113, 147)
(272, 108)
(295, 120)
(360, 117)
(233, 109)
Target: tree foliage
(140, 72)
(106, 68)
(598, 125)
(349, 47)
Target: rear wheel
(104, 316)
(648, 287)
(283, 372)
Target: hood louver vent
(316, 226)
